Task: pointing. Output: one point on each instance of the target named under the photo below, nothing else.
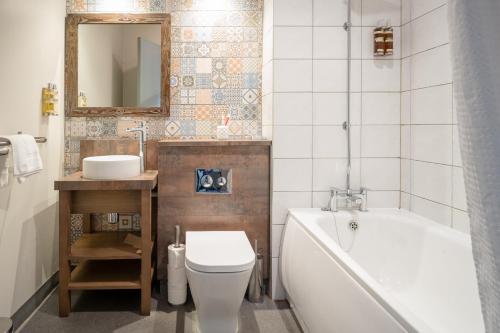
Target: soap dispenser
(50, 97)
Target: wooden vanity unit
(246, 207)
(105, 260)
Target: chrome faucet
(354, 199)
(142, 140)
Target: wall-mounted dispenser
(383, 41)
(50, 96)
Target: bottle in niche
(82, 99)
(388, 41)
(378, 41)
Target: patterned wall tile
(215, 70)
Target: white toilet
(218, 267)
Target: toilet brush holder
(256, 284)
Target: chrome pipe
(347, 27)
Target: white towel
(26, 157)
(4, 166)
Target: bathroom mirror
(117, 64)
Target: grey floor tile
(117, 311)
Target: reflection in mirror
(119, 65)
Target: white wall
(32, 39)
(432, 178)
(304, 105)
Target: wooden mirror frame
(71, 65)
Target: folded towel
(4, 166)
(26, 157)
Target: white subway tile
(405, 40)
(430, 30)
(329, 75)
(381, 174)
(405, 11)
(383, 199)
(459, 196)
(431, 67)
(292, 174)
(292, 75)
(406, 68)
(292, 12)
(331, 142)
(406, 175)
(381, 108)
(381, 75)
(405, 107)
(461, 221)
(405, 201)
(329, 43)
(292, 42)
(432, 143)
(334, 13)
(457, 154)
(381, 12)
(432, 105)
(320, 199)
(292, 108)
(380, 141)
(356, 42)
(431, 210)
(282, 201)
(332, 172)
(331, 108)
(432, 181)
(292, 141)
(421, 7)
(406, 141)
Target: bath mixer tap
(353, 198)
(142, 140)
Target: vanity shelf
(98, 274)
(105, 260)
(104, 246)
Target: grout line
(424, 51)
(426, 87)
(433, 201)
(422, 15)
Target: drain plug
(353, 225)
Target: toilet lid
(218, 251)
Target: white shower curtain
(475, 45)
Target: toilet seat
(219, 251)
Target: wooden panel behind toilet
(246, 208)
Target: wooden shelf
(97, 275)
(104, 246)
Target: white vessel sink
(111, 167)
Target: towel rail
(4, 142)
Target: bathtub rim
(404, 316)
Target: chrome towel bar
(4, 142)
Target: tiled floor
(117, 311)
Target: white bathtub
(398, 272)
